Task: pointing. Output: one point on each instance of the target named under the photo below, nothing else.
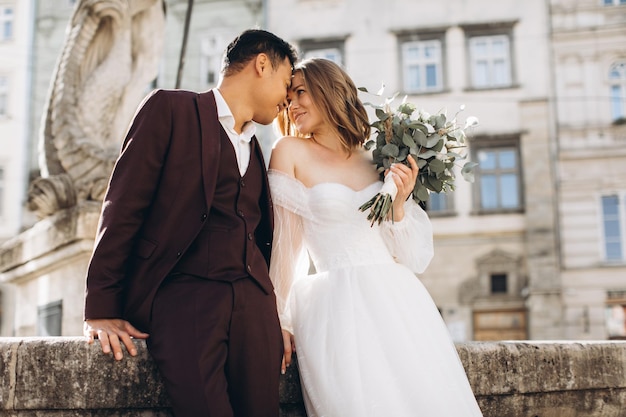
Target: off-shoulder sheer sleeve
(289, 258)
(410, 240)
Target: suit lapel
(210, 142)
(266, 188)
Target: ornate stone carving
(110, 56)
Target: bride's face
(302, 111)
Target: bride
(369, 339)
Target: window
(498, 284)
(49, 319)
(498, 178)
(422, 66)
(6, 23)
(614, 2)
(617, 82)
(4, 96)
(612, 222)
(490, 61)
(331, 49)
(333, 54)
(211, 50)
(440, 203)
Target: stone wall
(66, 377)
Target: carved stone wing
(111, 54)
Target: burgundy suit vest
(226, 248)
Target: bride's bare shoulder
(285, 151)
(290, 142)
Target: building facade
(589, 44)
(534, 248)
(15, 87)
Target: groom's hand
(110, 332)
(289, 348)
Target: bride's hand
(289, 348)
(405, 178)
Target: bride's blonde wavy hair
(336, 97)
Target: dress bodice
(337, 234)
(325, 219)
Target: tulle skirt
(371, 342)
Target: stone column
(544, 302)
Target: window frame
(503, 30)
(621, 218)
(422, 63)
(425, 37)
(212, 46)
(497, 143)
(619, 99)
(448, 198)
(4, 20)
(310, 48)
(52, 309)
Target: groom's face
(271, 94)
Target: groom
(182, 250)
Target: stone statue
(110, 56)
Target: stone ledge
(64, 376)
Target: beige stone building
(589, 56)
(527, 251)
(15, 88)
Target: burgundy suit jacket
(159, 197)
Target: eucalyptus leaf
(391, 150)
(420, 137)
(427, 154)
(440, 120)
(432, 141)
(422, 194)
(406, 108)
(408, 141)
(404, 152)
(436, 166)
(435, 184)
(382, 116)
(468, 171)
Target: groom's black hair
(252, 42)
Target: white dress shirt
(240, 141)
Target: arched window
(617, 85)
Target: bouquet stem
(382, 202)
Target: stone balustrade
(63, 376)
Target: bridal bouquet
(432, 140)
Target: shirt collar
(227, 119)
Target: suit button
(178, 254)
(250, 236)
(240, 213)
(249, 268)
(204, 217)
(243, 183)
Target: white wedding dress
(369, 339)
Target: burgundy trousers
(218, 347)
